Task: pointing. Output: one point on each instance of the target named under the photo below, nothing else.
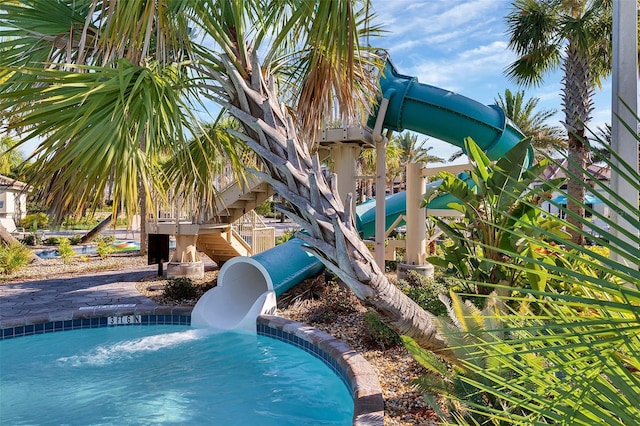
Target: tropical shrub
(425, 291)
(35, 221)
(32, 239)
(51, 241)
(451, 383)
(180, 288)
(570, 353)
(495, 200)
(286, 236)
(104, 246)
(265, 208)
(13, 257)
(379, 333)
(65, 251)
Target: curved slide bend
(248, 286)
(441, 114)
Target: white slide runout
(244, 292)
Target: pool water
(140, 375)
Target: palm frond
(572, 348)
(92, 124)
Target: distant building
(13, 202)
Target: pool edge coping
(368, 402)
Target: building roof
(7, 183)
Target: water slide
(248, 286)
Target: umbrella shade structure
(588, 199)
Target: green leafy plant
(286, 236)
(379, 333)
(265, 208)
(461, 330)
(104, 246)
(494, 200)
(31, 239)
(13, 257)
(180, 288)
(35, 221)
(571, 349)
(425, 292)
(65, 251)
(51, 241)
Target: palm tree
(545, 138)
(412, 151)
(575, 36)
(11, 158)
(98, 114)
(564, 352)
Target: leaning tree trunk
(93, 233)
(316, 206)
(7, 238)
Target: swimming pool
(166, 375)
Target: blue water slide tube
(443, 114)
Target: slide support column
(381, 184)
(416, 236)
(185, 261)
(344, 158)
(624, 89)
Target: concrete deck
(58, 298)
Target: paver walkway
(57, 298)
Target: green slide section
(445, 115)
(441, 114)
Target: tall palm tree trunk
(577, 105)
(316, 206)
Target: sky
(462, 46)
